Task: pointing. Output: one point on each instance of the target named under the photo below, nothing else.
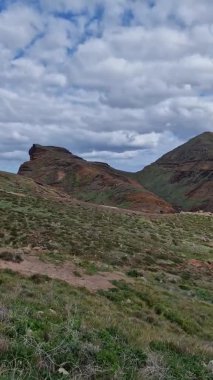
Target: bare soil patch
(32, 265)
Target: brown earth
(32, 265)
(201, 264)
(89, 181)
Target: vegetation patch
(49, 330)
(7, 255)
(181, 365)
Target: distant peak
(206, 133)
(203, 136)
(37, 150)
(199, 148)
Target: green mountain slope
(184, 177)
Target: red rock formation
(89, 181)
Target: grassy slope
(159, 178)
(156, 178)
(158, 325)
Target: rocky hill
(89, 291)
(89, 181)
(184, 176)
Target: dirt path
(12, 193)
(66, 272)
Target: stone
(210, 366)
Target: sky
(120, 81)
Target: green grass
(115, 238)
(160, 322)
(47, 325)
(181, 365)
(158, 179)
(44, 329)
(166, 307)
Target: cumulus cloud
(120, 81)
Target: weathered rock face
(36, 151)
(184, 177)
(89, 181)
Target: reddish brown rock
(89, 181)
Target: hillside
(89, 181)
(184, 177)
(89, 292)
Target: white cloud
(81, 75)
(19, 24)
(11, 156)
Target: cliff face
(37, 151)
(184, 176)
(89, 181)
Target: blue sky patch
(127, 17)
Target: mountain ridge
(184, 176)
(89, 181)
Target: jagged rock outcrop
(184, 176)
(89, 181)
